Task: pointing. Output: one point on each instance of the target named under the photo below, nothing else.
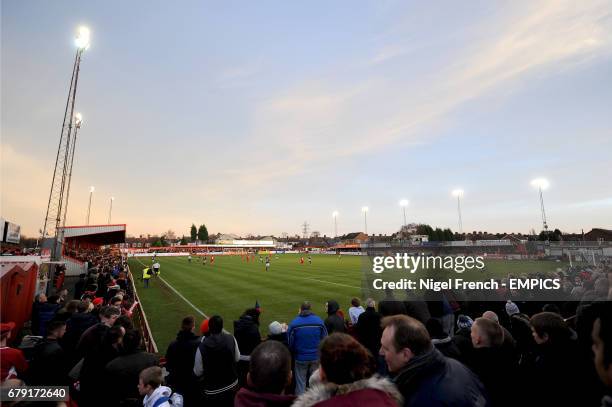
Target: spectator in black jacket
(369, 331)
(79, 287)
(421, 373)
(124, 370)
(334, 322)
(441, 340)
(48, 356)
(246, 332)
(215, 361)
(556, 364)
(390, 305)
(76, 325)
(487, 357)
(179, 363)
(462, 336)
(97, 351)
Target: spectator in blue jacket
(304, 334)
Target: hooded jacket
(334, 322)
(374, 391)
(161, 391)
(246, 332)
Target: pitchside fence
(140, 319)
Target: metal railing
(139, 317)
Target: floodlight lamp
(78, 119)
(335, 214)
(82, 38)
(403, 203)
(364, 209)
(541, 183)
(112, 198)
(91, 189)
(457, 193)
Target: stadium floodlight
(335, 216)
(91, 191)
(82, 39)
(365, 210)
(404, 203)
(541, 184)
(110, 210)
(57, 206)
(78, 120)
(458, 193)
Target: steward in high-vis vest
(146, 275)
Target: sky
(254, 117)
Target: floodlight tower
(55, 207)
(365, 210)
(404, 203)
(541, 184)
(459, 193)
(335, 216)
(78, 121)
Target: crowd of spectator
(439, 350)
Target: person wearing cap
(12, 362)
(180, 357)
(278, 332)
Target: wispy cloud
(595, 203)
(325, 120)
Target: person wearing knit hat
(204, 328)
(512, 308)
(464, 321)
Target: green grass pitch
(231, 285)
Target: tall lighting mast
(59, 184)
